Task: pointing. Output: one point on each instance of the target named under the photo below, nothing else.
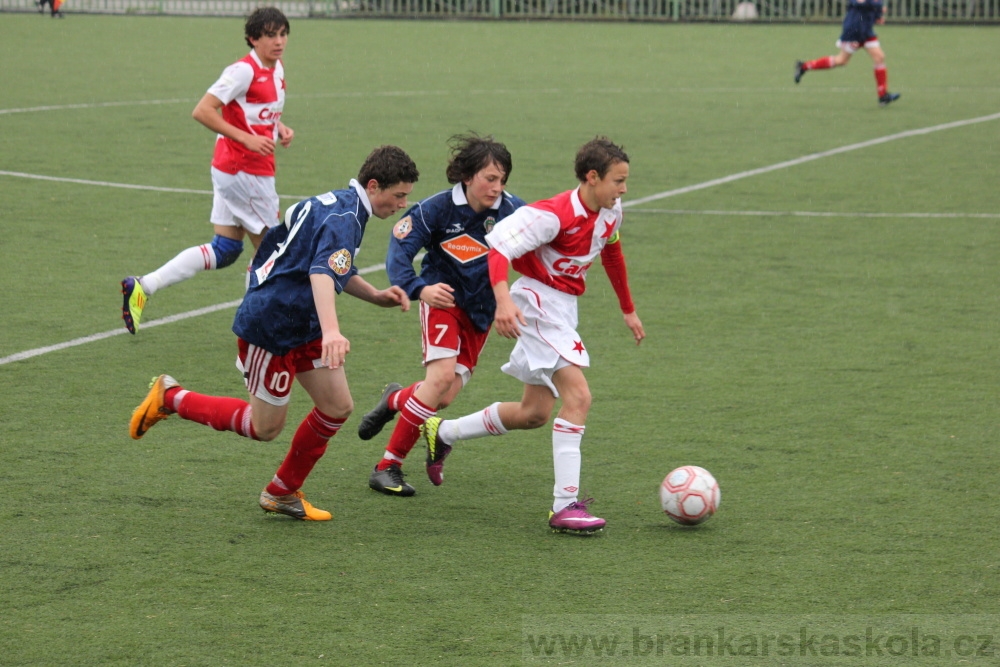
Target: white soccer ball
(690, 495)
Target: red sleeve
(614, 265)
(499, 267)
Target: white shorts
(244, 200)
(549, 341)
(852, 47)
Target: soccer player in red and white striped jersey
(244, 108)
(552, 244)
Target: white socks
(185, 265)
(477, 425)
(566, 439)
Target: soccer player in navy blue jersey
(858, 31)
(453, 287)
(287, 328)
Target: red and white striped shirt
(253, 98)
(556, 240)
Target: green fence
(898, 11)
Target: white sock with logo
(566, 458)
(185, 265)
(477, 425)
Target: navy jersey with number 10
(321, 235)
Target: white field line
(812, 157)
(818, 214)
(27, 354)
(737, 90)
(127, 186)
(662, 195)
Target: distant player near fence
(857, 32)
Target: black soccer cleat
(888, 99)
(800, 69)
(373, 422)
(390, 481)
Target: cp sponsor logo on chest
(568, 267)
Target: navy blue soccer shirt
(454, 236)
(321, 234)
(859, 21)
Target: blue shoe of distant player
(134, 300)
(888, 99)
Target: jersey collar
(578, 208)
(459, 199)
(362, 195)
(256, 59)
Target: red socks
(881, 80)
(308, 446)
(220, 412)
(826, 62)
(233, 414)
(407, 431)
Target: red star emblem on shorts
(578, 346)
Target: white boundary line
(678, 90)
(816, 214)
(127, 186)
(810, 158)
(635, 202)
(38, 351)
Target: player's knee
(531, 417)
(268, 432)
(340, 408)
(226, 250)
(577, 401)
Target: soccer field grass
(817, 277)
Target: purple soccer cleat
(575, 519)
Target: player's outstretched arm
(335, 346)
(387, 298)
(633, 323)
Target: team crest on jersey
(464, 248)
(340, 262)
(489, 224)
(403, 228)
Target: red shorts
(448, 332)
(269, 376)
